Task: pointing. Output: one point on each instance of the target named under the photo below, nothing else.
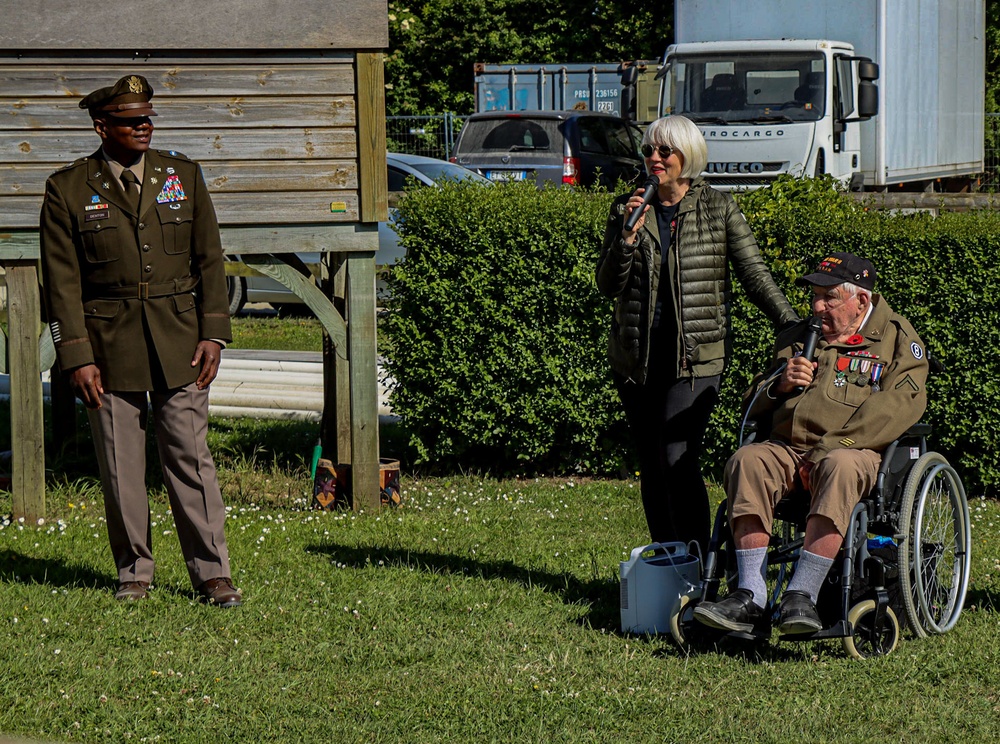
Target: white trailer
(783, 86)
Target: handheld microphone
(651, 184)
(813, 331)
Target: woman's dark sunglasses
(665, 151)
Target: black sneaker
(798, 614)
(737, 612)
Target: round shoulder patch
(918, 353)
(173, 154)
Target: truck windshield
(746, 87)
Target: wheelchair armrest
(921, 429)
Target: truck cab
(772, 107)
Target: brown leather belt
(145, 290)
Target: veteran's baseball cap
(127, 99)
(838, 268)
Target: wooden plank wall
(276, 134)
(58, 25)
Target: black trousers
(667, 419)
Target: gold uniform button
(142, 225)
(146, 248)
(148, 269)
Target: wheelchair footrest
(840, 629)
(755, 636)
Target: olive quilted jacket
(710, 235)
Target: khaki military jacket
(864, 394)
(133, 291)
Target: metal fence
(431, 136)
(991, 154)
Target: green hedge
(497, 334)
(496, 331)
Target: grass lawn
(263, 331)
(478, 611)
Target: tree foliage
(434, 44)
(992, 56)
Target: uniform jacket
(863, 395)
(128, 291)
(710, 234)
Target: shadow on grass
(17, 568)
(984, 600)
(597, 596)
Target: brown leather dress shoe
(220, 592)
(130, 591)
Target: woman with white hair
(668, 275)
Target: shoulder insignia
(75, 164)
(847, 441)
(173, 154)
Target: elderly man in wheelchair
(830, 420)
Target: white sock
(809, 574)
(752, 567)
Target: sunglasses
(665, 151)
(127, 123)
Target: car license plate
(506, 175)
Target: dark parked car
(562, 147)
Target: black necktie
(131, 185)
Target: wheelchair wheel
(681, 621)
(866, 641)
(934, 555)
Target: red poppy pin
(856, 339)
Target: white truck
(877, 93)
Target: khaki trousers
(759, 475)
(181, 420)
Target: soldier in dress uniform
(136, 296)
(830, 419)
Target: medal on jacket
(863, 377)
(877, 371)
(842, 363)
(172, 191)
(852, 375)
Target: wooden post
(360, 291)
(336, 425)
(26, 422)
(363, 370)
